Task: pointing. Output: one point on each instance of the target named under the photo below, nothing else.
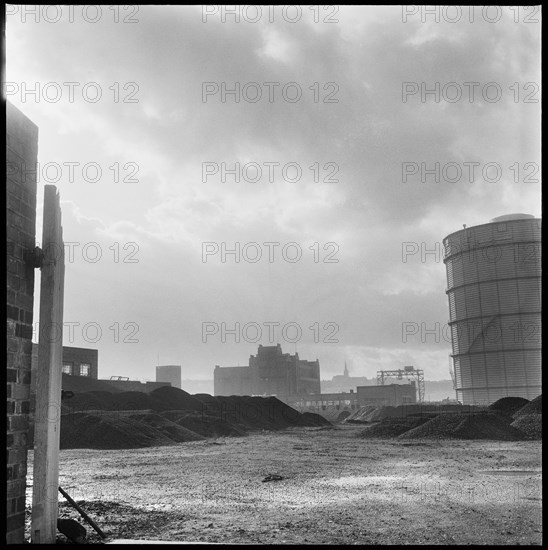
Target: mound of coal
(426, 409)
(170, 398)
(393, 427)
(172, 430)
(168, 415)
(530, 425)
(205, 397)
(118, 401)
(343, 415)
(508, 405)
(487, 426)
(243, 411)
(467, 426)
(381, 413)
(282, 415)
(275, 413)
(265, 413)
(90, 401)
(355, 417)
(371, 413)
(108, 431)
(134, 401)
(312, 419)
(416, 409)
(333, 413)
(205, 424)
(533, 407)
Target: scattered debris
(83, 514)
(273, 477)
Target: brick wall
(21, 156)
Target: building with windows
(76, 361)
(317, 402)
(270, 372)
(81, 361)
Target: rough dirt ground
(337, 489)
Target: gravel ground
(337, 488)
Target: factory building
(339, 400)
(84, 363)
(493, 286)
(270, 372)
(76, 361)
(169, 373)
(80, 361)
(390, 394)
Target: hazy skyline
(366, 121)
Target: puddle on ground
(521, 473)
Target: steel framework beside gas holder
(408, 372)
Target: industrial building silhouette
(169, 373)
(270, 372)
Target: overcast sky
(162, 125)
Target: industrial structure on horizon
(270, 372)
(81, 364)
(493, 286)
(297, 383)
(407, 372)
(169, 373)
(392, 395)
